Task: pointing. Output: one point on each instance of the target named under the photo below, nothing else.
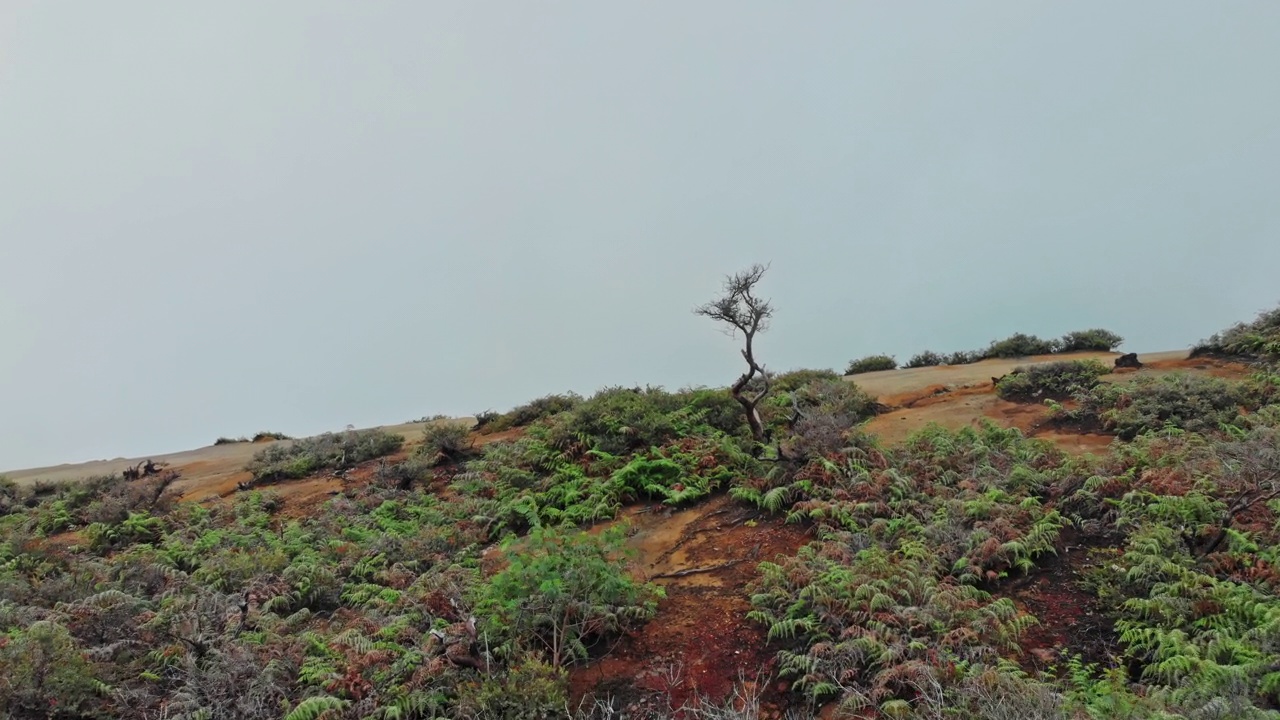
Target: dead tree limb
(743, 312)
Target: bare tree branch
(743, 312)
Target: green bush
(815, 419)
(10, 496)
(1019, 345)
(871, 363)
(1259, 339)
(267, 435)
(405, 474)
(1050, 380)
(445, 441)
(962, 357)
(136, 528)
(559, 591)
(330, 451)
(1095, 339)
(620, 420)
(928, 358)
(531, 689)
(1023, 345)
(528, 413)
(44, 674)
(1195, 403)
(788, 381)
(264, 436)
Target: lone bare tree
(743, 312)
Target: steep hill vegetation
(476, 575)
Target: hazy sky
(224, 217)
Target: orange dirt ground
(700, 643)
(1070, 616)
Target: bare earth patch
(700, 642)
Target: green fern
(316, 708)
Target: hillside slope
(630, 555)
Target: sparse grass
(871, 363)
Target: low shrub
(10, 496)
(403, 475)
(814, 419)
(484, 419)
(1094, 339)
(267, 436)
(445, 442)
(1195, 403)
(871, 363)
(136, 528)
(1259, 339)
(928, 358)
(620, 420)
(528, 413)
(257, 438)
(330, 451)
(962, 357)
(559, 591)
(1050, 380)
(788, 381)
(105, 499)
(45, 674)
(1019, 345)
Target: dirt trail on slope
(700, 643)
(1070, 616)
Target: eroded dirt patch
(1070, 615)
(700, 643)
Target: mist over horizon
(298, 216)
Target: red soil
(1070, 616)
(700, 643)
